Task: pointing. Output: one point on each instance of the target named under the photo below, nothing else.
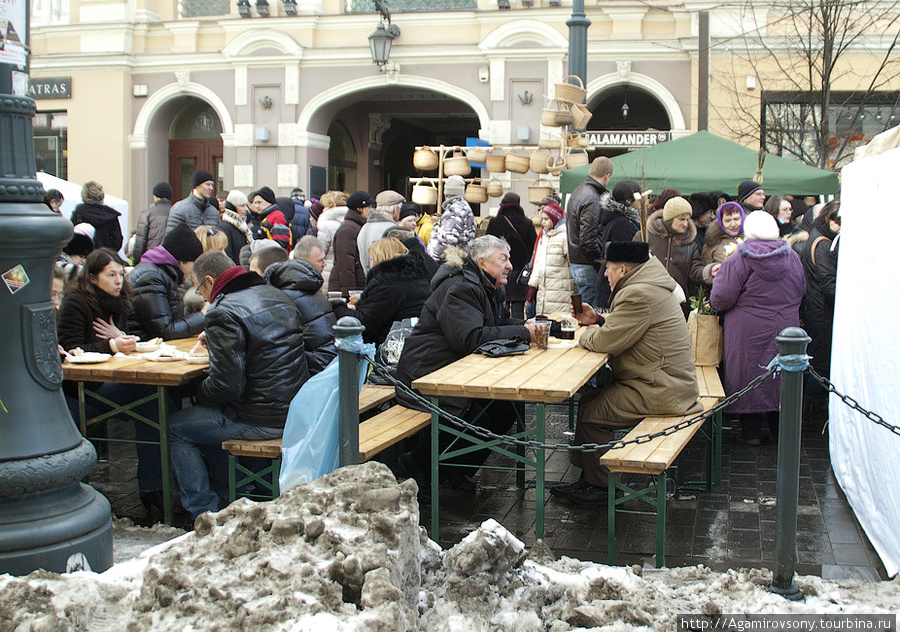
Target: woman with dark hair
(722, 238)
(105, 220)
(780, 208)
(99, 301)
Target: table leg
(661, 520)
(82, 414)
(435, 469)
(539, 465)
(611, 521)
(165, 455)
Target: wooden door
(186, 156)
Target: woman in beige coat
(550, 273)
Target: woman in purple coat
(759, 289)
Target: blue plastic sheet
(309, 447)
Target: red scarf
(223, 279)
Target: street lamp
(262, 7)
(380, 43)
(243, 7)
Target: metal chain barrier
(384, 372)
(852, 403)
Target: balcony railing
(199, 8)
(398, 6)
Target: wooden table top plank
(440, 381)
(135, 369)
(565, 375)
(501, 371)
(374, 395)
(709, 382)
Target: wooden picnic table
(549, 376)
(136, 369)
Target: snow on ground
(346, 554)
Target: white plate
(204, 359)
(160, 358)
(146, 347)
(90, 357)
(562, 344)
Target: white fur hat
(761, 225)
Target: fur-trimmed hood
(333, 214)
(658, 226)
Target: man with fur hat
(233, 222)
(385, 215)
(196, 208)
(158, 308)
(583, 226)
(151, 224)
(653, 371)
(751, 196)
(456, 226)
(347, 273)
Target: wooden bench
(711, 387)
(652, 457)
(375, 435)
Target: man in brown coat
(653, 372)
(348, 273)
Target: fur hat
(628, 251)
(83, 228)
(389, 198)
(359, 200)
(761, 225)
(455, 185)
(79, 245)
(265, 193)
(182, 243)
(163, 190)
(236, 198)
(200, 176)
(746, 188)
(553, 198)
(676, 207)
(554, 212)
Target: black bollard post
(348, 384)
(791, 341)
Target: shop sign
(620, 139)
(51, 88)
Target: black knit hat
(265, 193)
(409, 209)
(359, 200)
(746, 188)
(163, 190)
(200, 176)
(182, 243)
(510, 199)
(79, 245)
(798, 208)
(627, 251)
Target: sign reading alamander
(624, 139)
(50, 88)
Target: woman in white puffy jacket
(335, 207)
(550, 271)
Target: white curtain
(865, 360)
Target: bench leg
(232, 487)
(539, 465)
(611, 521)
(571, 414)
(435, 468)
(717, 453)
(661, 521)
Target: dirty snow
(345, 553)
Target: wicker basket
(538, 160)
(581, 116)
(476, 192)
(495, 161)
(576, 139)
(548, 143)
(555, 165)
(495, 188)
(476, 154)
(425, 192)
(564, 116)
(425, 159)
(550, 114)
(570, 93)
(457, 164)
(517, 163)
(538, 190)
(577, 157)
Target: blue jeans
(203, 429)
(585, 276)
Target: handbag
(503, 347)
(525, 274)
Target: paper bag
(707, 343)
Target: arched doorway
(624, 108)
(195, 142)
(341, 159)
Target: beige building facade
(296, 100)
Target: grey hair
(212, 263)
(304, 247)
(483, 247)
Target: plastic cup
(541, 333)
(567, 329)
(335, 296)
(354, 296)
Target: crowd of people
(262, 279)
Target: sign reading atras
(51, 88)
(623, 139)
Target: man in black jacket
(257, 364)
(583, 227)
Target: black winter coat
(75, 320)
(461, 314)
(348, 273)
(817, 308)
(151, 228)
(583, 222)
(302, 282)
(615, 225)
(396, 289)
(256, 354)
(237, 238)
(105, 220)
(158, 306)
(518, 231)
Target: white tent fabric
(72, 194)
(865, 359)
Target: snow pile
(346, 554)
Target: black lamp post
(48, 518)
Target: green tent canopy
(706, 162)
